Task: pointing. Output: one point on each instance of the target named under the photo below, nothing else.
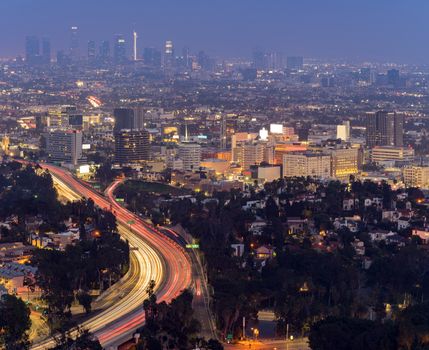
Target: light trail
(158, 258)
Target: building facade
(132, 146)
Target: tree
(85, 300)
(170, 326)
(351, 334)
(83, 341)
(413, 327)
(14, 323)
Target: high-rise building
(343, 131)
(92, 54)
(64, 146)
(205, 62)
(365, 74)
(186, 59)
(303, 164)
(46, 51)
(190, 154)
(295, 62)
(259, 61)
(250, 153)
(139, 118)
(135, 37)
(393, 77)
(124, 118)
(132, 146)
(275, 60)
(32, 50)
(74, 43)
(152, 57)
(228, 127)
(384, 129)
(104, 52)
(168, 54)
(119, 50)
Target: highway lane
(160, 259)
(177, 260)
(147, 266)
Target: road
(158, 258)
(269, 345)
(201, 300)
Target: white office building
(64, 146)
(190, 154)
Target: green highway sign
(120, 200)
(193, 246)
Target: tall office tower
(46, 51)
(119, 50)
(399, 130)
(228, 127)
(139, 118)
(343, 131)
(104, 52)
(186, 59)
(132, 146)
(259, 59)
(135, 36)
(152, 57)
(384, 129)
(64, 146)
(393, 77)
(190, 154)
(168, 54)
(62, 58)
(74, 43)
(32, 50)
(91, 51)
(365, 74)
(124, 119)
(275, 60)
(205, 62)
(295, 62)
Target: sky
(374, 30)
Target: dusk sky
(382, 30)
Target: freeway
(158, 258)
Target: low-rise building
(416, 176)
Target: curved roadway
(158, 258)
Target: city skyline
(354, 31)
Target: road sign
(120, 200)
(193, 246)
